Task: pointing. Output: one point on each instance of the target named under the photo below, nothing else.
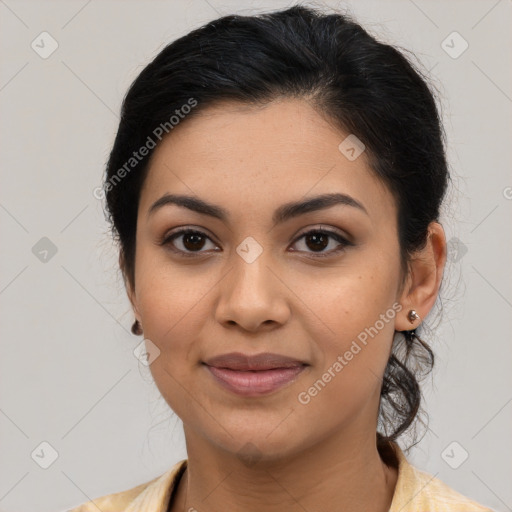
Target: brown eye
(317, 240)
(192, 241)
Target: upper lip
(263, 361)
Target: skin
(290, 301)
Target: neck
(345, 470)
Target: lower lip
(254, 383)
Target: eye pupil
(320, 241)
(193, 239)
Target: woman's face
(256, 282)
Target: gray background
(68, 374)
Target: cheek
(349, 303)
(164, 290)
(169, 306)
(172, 305)
(357, 325)
(158, 297)
(348, 378)
(168, 310)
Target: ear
(129, 290)
(424, 279)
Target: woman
(275, 188)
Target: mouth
(255, 375)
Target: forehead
(256, 158)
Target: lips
(243, 362)
(254, 375)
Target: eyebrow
(282, 214)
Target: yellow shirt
(415, 491)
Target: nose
(252, 296)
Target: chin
(253, 445)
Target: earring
(412, 316)
(136, 328)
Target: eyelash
(336, 236)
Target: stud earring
(412, 316)
(136, 328)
